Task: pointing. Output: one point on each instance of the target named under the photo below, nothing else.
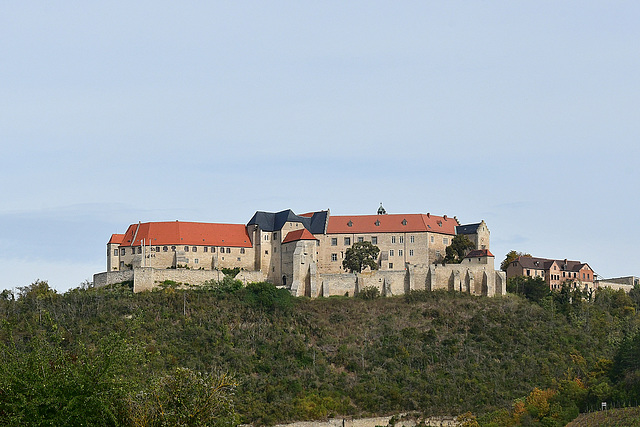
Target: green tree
(532, 288)
(360, 256)
(511, 256)
(455, 252)
(48, 381)
(186, 398)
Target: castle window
(360, 239)
(157, 248)
(266, 252)
(173, 248)
(401, 239)
(528, 272)
(241, 250)
(334, 241)
(410, 252)
(238, 258)
(139, 249)
(347, 241)
(400, 252)
(122, 251)
(194, 249)
(390, 265)
(445, 241)
(115, 252)
(275, 235)
(393, 239)
(266, 237)
(165, 249)
(431, 239)
(186, 248)
(195, 260)
(228, 250)
(374, 240)
(390, 252)
(206, 249)
(334, 257)
(221, 250)
(213, 248)
(412, 239)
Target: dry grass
(624, 417)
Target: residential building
(554, 272)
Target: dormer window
(350, 223)
(377, 223)
(404, 222)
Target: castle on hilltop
(304, 253)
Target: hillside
(300, 359)
(625, 417)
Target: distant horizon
(523, 115)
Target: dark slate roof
(318, 223)
(274, 221)
(535, 263)
(467, 228)
(543, 263)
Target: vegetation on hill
(110, 357)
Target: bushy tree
(532, 288)
(185, 398)
(47, 381)
(455, 252)
(511, 256)
(360, 256)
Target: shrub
(368, 293)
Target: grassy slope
(626, 417)
(441, 354)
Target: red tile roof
(392, 223)
(187, 233)
(301, 234)
(479, 253)
(116, 238)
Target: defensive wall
(398, 421)
(473, 278)
(624, 283)
(147, 278)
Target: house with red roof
(303, 253)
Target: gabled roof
(535, 263)
(187, 233)
(546, 264)
(300, 234)
(392, 223)
(468, 228)
(116, 239)
(274, 221)
(479, 253)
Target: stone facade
(624, 283)
(304, 253)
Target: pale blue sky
(524, 114)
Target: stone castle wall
(147, 278)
